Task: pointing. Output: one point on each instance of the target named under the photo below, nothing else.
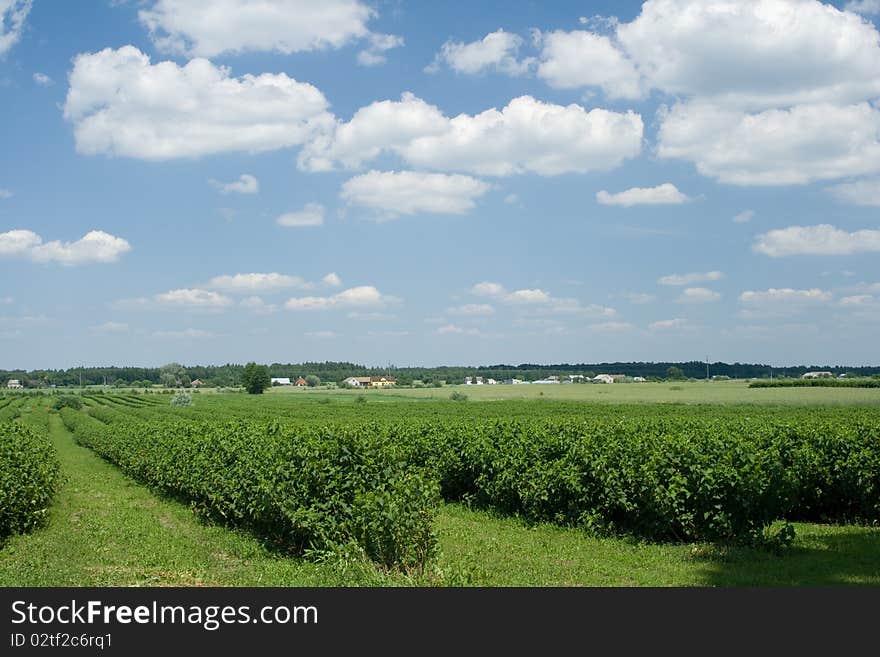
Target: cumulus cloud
(823, 239)
(698, 295)
(863, 6)
(452, 329)
(743, 217)
(94, 247)
(796, 51)
(250, 283)
(472, 309)
(776, 302)
(332, 279)
(379, 44)
(43, 80)
(858, 301)
(570, 60)
(688, 279)
(665, 194)
(860, 192)
(312, 214)
(208, 29)
(121, 104)
(246, 184)
(258, 305)
(180, 299)
(184, 334)
(395, 193)
(365, 296)
(539, 299)
(12, 16)
(526, 136)
(496, 51)
(789, 146)
(668, 324)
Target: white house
(603, 378)
(14, 383)
(639, 379)
(491, 382)
(817, 375)
(468, 380)
(280, 381)
(548, 381)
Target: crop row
(313, 489)
(873, 382)
(28, 477)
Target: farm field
(125, 520)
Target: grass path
(107, 530)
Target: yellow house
(382, 381)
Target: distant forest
(330, 372)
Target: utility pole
(707, 368)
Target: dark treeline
(231, 374)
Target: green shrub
(458, 396)
(28, 478)
(68, 401)
(182, 398)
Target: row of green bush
(313, 489)
(29, 471)
(873, 382)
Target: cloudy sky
(439, 183)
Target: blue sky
(439, 183)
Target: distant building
(817, 375)
(491, 382)
(382, 381)
(469, 380)
(14, 383)
(639, 379)
(198, 383)
(299, 382)
(280, 381)
(547, 381)
(603, 378)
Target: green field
(106, 528)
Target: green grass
(107, 530)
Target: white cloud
(208, 29)
(611, 327)
(184, 334)
(258, 305)
(540, 299)
(365, 296)
(743, 217)
(823, 239)
(413, 192)
(312, 214)
(111, 327)
(246, 184)
(374, 54)
(486, 289)
(320, 334)
(570, 60)
(698, 295)
(497, 51)
(471, 309)
(858, 300)
(687, 279)
(790, 146)
(525, 136)
(94, 246)
(250, 283)
(452, 329)
(640, 298)
(860, 192)
(665, 194)
(12, 16)
(781, 301)
(43, 80)
(5, 193)
(121, 104)
(511, 199)
(863, 6)
(754, 53)
(182, 299)
(332, 279)
(668, 324)
(7, 300)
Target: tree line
(233, 374)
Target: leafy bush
(308, 489)
(182, 398)
(68, 401)
(28, 477)
(458, 396)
